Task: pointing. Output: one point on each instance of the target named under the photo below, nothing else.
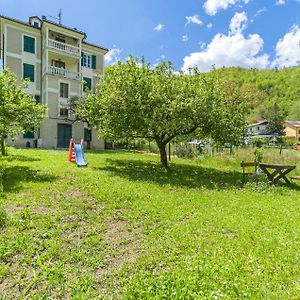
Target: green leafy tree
(19, 112)
(275, 118)
(137, 101)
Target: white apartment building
(60, 64)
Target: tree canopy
(134, 100)
(19, 112)
(268, 87)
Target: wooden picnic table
(275, 172)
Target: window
(64, 90)
(63, 112)
(28, 72)
(29, 134)
(60, 39)
(87, 135)
(86, 60)
(29, 44)
(37, 99)
(58, 64)
(87, 83)
(36, 24)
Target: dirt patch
(14, 209)
(124, 243)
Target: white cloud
(113, 55)
(159, 27)
(212, 6)
(185, 38)
(288, 49)
(280, 2)
(202, 45)
(209, 25)
(238, 23)
(231, 50)
(194, 20)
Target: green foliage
(275, 119)
(134, 100)
(19, 112)
(258, 155)
(267, 87)
(184, 150)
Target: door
(64, 134)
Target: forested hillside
(267, 87)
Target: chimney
(44, 18)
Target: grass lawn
(124, 228)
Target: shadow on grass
(13, 177)
(180, 175)
(14, 157)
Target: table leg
(282, 175)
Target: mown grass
(124, 228)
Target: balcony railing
(63, 47)
(63, 73)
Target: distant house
(259, 128)
(292, 130)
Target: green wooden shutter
(28, 72)
(82, 58)
(87, 83)
(94, 62)
(29, 44)
(29, 134)
(37, 99)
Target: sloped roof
(293, 123)
(55, 24)
(258, 123)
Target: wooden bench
(295, 178)
(254, 173)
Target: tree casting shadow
(179, 175)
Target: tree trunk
(163, 154)
(2, 145)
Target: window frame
(87, 60)
(68, 90)
(65, 109)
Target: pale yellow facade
(59, 62)
(292, 131)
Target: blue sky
(249, 33)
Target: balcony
(63, 73)
(63, 47)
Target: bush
(185, 151)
